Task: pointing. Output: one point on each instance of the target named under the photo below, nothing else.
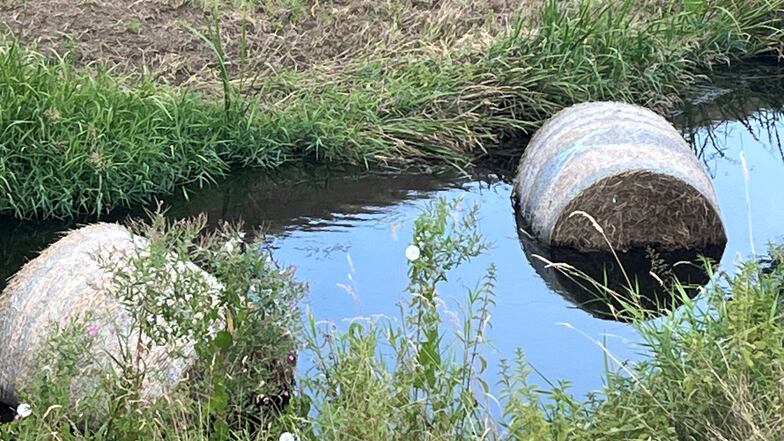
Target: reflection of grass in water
(631, 286)
(750, 95)
(624, 290)
(762, 125)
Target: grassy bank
(713, 372)
(78, 141)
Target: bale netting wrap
(70, 281)
(627, 168)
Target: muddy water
(346, 232)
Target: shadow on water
(279, 202)
(307, 200)
(627, 286)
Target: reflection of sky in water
(356, 266)
(766, 178)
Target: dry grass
(261, 37)
(153, 36)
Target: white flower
(24, 410)
(229, 247)
(412, 252)
(287, 436)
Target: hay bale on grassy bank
(67, 282)
(627, 168)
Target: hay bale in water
(626, 167)
(67, 282)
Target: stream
(346, 232)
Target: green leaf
(694, 5)
(220, 431)
(219, 401)
(223, 340)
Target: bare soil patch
(153, 35)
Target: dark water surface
(346, 232)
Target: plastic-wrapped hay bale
(626, 167)
(67, 282)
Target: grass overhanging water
(83, 141)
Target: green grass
(82, 142)
(133, 25)
(75, 143)
(79, 143)
(713, 370)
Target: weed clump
(243, 336)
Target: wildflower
(229, 247)
(92, 331)
(24, 410)
(412, 253)
(288, 436)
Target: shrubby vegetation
(81, 141)
(242, 329)
(714, 368)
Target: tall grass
(714, 371)
(82, 142)
(73, 142)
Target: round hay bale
(628, 169)
(66, 283)
(651, 273)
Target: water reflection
(311, 199)
(319, 218)
(279, 203)
(637, 284)
(750, 95)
